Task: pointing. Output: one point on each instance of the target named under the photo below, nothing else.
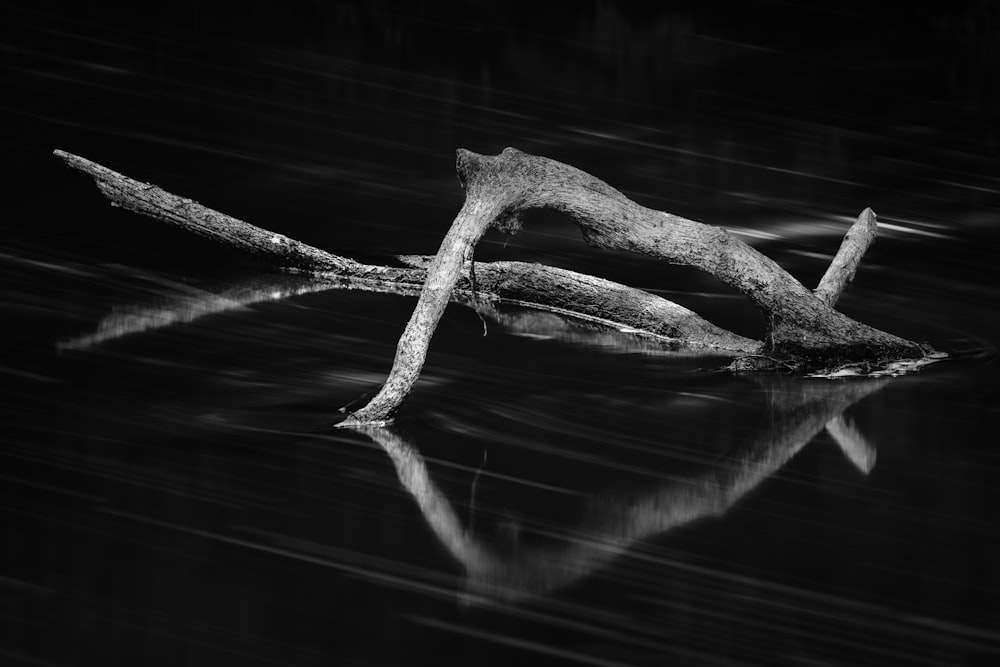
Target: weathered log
(150, 200)
(500, 188)
(803, 333)
(568, 293)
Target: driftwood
(804, 333)
(187, 305)
(610, 522)
(533, 285)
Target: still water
(173, 494)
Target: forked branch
(595, 300)
(502, 187)
(803, 333)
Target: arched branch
(804, 332)
(502, 187)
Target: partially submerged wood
(532, 285)
(804, 333)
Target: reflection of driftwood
(610, 523)
(190, 305)
(803, 330)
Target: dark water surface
(171, 491)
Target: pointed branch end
(867, 220)
(72, 160)
(92, 169)
(848, 258)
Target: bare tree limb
(532, 285)
(151, 200)
(804, 333)
(500, 188)
(853, 443)
(845, 263)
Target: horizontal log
(531, 285)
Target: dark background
(163, 498)
(337, 122)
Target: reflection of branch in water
(189, 304)
(853, 443)
(608, 524)
(433, 504)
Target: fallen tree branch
(532, 285)
(500, 188)
(148, 199)
(804, 333)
